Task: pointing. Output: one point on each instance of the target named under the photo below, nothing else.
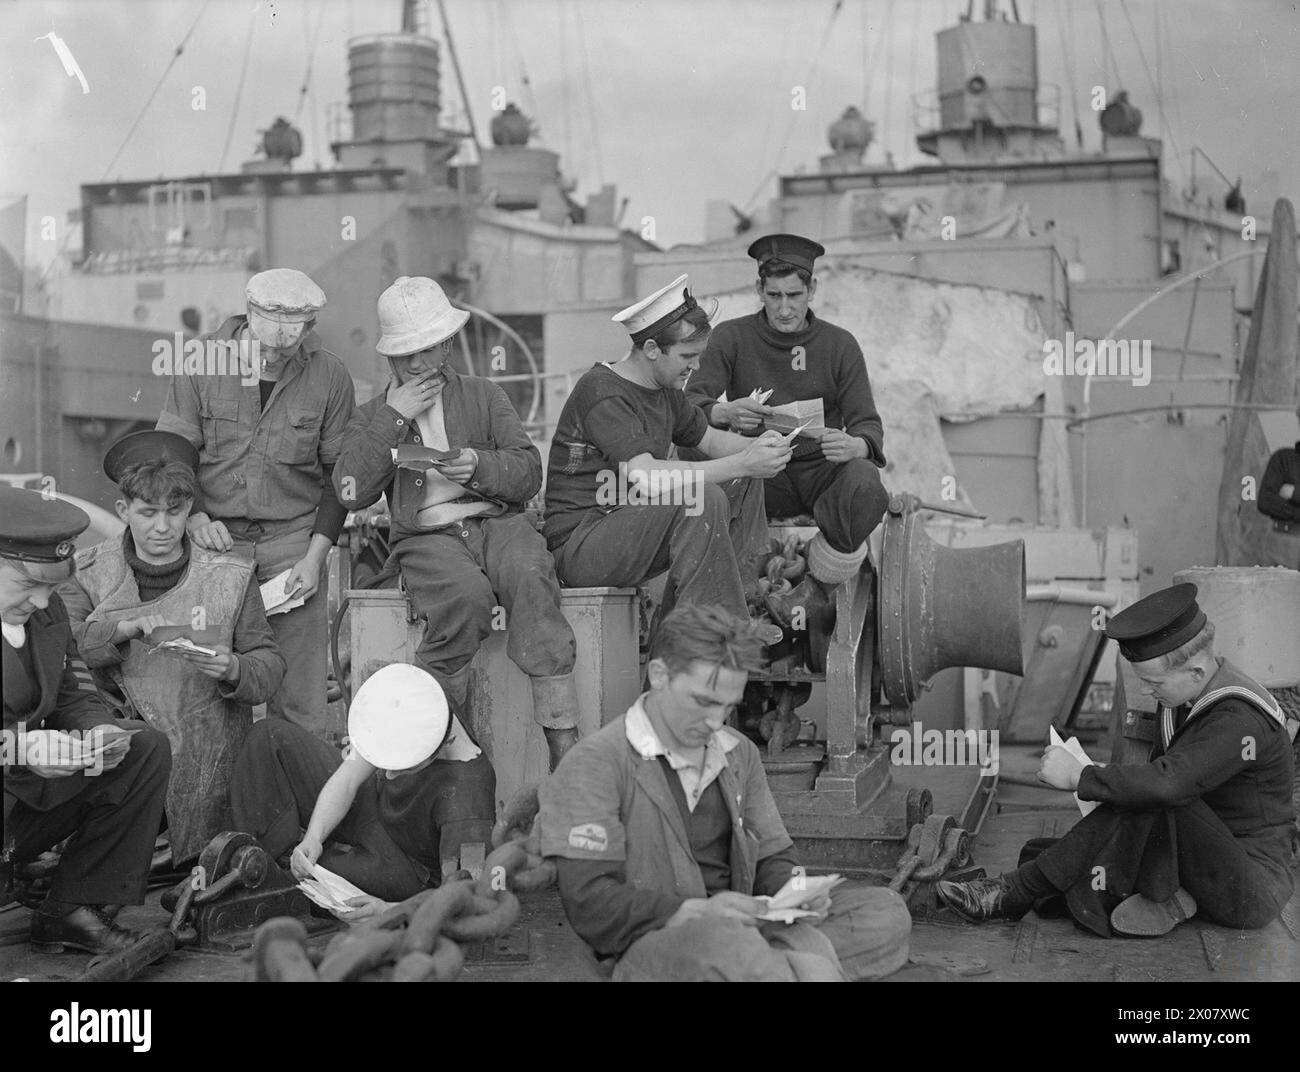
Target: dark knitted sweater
(748, 354)
(154, 581)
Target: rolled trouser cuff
(555, 701)
(831, 566)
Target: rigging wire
(911, 66)
(887, 125)
(1160, 101)
(524, 80)
(1067, 54)
(239, 89)
(808, 82)
(591, 98)
(311, 59)
(1108, 53)
(68, 231)
(157, 86)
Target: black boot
(983, 899)
(84, 928)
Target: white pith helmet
(415, 314)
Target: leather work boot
(83, 928)
(1140, 917)
(982, 899)
(555, 709)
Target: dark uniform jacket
(1230, 751)
(52, 699)
(476, 414)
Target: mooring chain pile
(417, 941)
(780, 589)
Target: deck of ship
(542, 946)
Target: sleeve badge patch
(589, 836)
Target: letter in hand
(459, 468)
(224, 666)
(305, 856)
(766, 456)
(364, 908)
(742, 414)
(726, 904)
(1060, 769)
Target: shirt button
(419, 483)
(465, 533)
(400, 422)
(474, 485)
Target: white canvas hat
(399, 717)
(415, 314)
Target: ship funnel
(393, 88)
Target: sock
(1028, 883)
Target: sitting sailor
(70, 771)
(155, 578)
(666, 836)
(1205, 827)
(389, 814)
(465, 547)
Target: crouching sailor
(666, 836)
(391, 813)
(71, 770)
(1205, 827)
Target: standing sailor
(1205, 827)
(266, 455)
(70, 770)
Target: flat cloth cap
(285, 292)
(789, 248)
(1158, 624)
(148, 446)
(36, 529)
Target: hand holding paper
(1060, 769)
(797, 898)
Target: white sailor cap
(286, 293)
(665, 306)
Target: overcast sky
(675, 101)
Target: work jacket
(263, 463)
(477, 414)
(204, 719)
(608, 802)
